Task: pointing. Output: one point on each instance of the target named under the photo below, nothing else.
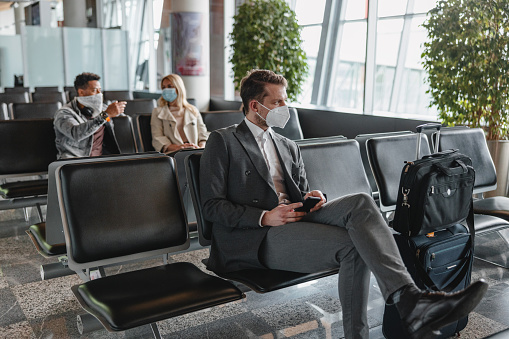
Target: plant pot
(499, 150)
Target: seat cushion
(145, 296)
(485, 222)
(496, 206)
(37, 233)
(27, 188)
(263, 281)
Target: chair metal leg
(26, 214)
(39, 212)
(88, 323)
(155, 331)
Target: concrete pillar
(191, 48)
(75, 13)
(19, 16)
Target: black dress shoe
(423, 313)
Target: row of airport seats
(106, 298)
(47, 110)
(29, 148)
(22, 94)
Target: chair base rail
(55, 270)
(87, 323)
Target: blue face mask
(169, 94)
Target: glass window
(115, 60)
(413, 98)
(310, 12)
(356, 9)
(348, 80)
(392, 7)
(424, 6)
(11, 60)
(311, 43)
(47, 68)
(388, 42)
(83, 52)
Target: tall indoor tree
(467, 61)
(266, 35)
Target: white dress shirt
(264, 141)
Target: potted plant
(467, 61)
(266, 35)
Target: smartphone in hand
(308, 204)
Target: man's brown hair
(82, 80)
(252, 86)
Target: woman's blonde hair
(181, 100)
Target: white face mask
(277, 117)
(95, 102)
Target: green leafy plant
(266, 35)
(467, 61)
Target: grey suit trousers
(349, 233)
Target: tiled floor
(31, 308)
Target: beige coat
(164, 128)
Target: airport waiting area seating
(141, 229)
(31, 149)
(34, 110)
(49, 96)
(15, 97)
(124, 133)
(139, 106)
(117, 95)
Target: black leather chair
(124, 228)
(34, 110)
(185, 192)
(49, 96)
(71, 92)
(361, 139)
(139, 106)
(117, 95)
(124, 133)
(320, 140)
(16, 89)
(28, 149)
(387, 156)
(46, 89)
(48, 237)
(143, 132)
(15, 97)
(220, 119)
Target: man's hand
(282, 214)
(316, 193)
(116, 108)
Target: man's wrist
(105, 116)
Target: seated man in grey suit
(253, 179)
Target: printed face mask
(95, 102)
(277, 117)
(169, 94)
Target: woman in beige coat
(175, 123)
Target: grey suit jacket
(235, 189)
